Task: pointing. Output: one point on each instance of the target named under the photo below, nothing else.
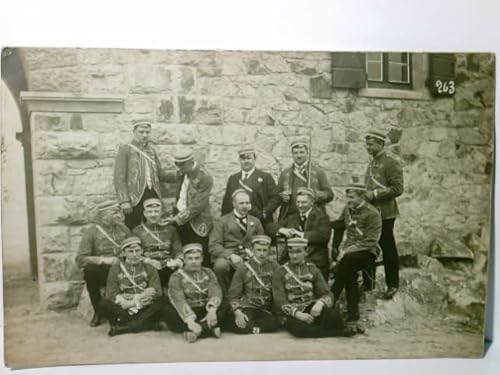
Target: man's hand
(369, 195)
(307, 318)
(174, 263)
(240, 319)
(316, 309)
(285, 196)
(194, 327)
(287, 232)
(235, 259)
(183, 215)
(126, 208)
(210, 318)
(109, 260)
(153, 262)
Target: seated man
(302, 295)
(195, 297)
(231, 234)
(99, 249)
(133, 302)
(312, 223)
(363, 227)
(250, 295)
(160, 241)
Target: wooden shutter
(441, 81)
(348, 70)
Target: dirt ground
(36, 338)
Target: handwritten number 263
(446, 87)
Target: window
(388, 70)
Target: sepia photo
(217, 205)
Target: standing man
(258, 184)
(232, 234)
(192, 207)
(384, 182)
(99, 250)
(137, 173)
(160, 241)
(298, 176)
(312, 223)
(301, 294)
(363, 226)
(250, 295)
(195, 297)
(133, 300)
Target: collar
(358, 206)
(152, 226)
(249, 173)
(295, 165)
(238, 215)
(307, 213)
(379, 154)
(135, 142)
(193, 171)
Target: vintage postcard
(244, 205)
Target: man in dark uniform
(137, 173)
(298, 176)
(363, 226)
(259, 185)
(192, 207)
(133, 300)
(312, 223)
(250, 295)
(196, 307)
(99, 250)
(160, 241)
(301, 293)
(231, 234)
(384, 182)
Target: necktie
(245, 176)
(242, 221)
(302, 224)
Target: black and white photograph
(244, 205)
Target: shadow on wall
(15, 245)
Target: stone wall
(216, 101)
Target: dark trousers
(165, 274)
(144, 320)
(264, 320)
(347, 277)
(176, 324)
(136, 216)
(328, 324)
(389, 253)
(188, 235)
(224, 271)
(95, 277)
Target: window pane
(374, 71)
(398, 73)
(374, 56)
(398, 57)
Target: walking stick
(310, 162)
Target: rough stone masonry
(215, 101)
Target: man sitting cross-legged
(195, 297)
(300, 293)
(133, 300)
(250, 294)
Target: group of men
(200, 275)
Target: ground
(36, 338)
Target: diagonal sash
(375, 181)
(245, 186)
(188, 278)
(259, 280)
(354, 223)
(130, 278)
(108, 237)
(142, 153)
(295, 277)
(153, 235)
(298, 175)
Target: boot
(96, 320)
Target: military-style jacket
(384, 177)
(317, 231)
(198, 204)
(160, 242)
(188, 290)
(252, 285)
(262, 189)
(100, 240)
(363, 226)
(130, 171)
(288, 181)
(143, 275)
(228, 238)
(297, 286)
